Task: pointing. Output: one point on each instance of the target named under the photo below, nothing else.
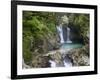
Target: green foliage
(37, 26)
(81, 23)
(26, 49)
(40, 28)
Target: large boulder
(40, 62)
(57, 57)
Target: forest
(42, 46)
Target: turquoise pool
(71, 45)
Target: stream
(66, 45)
(66, 60)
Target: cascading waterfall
(68, 36)
(66, 60)
(60, 32)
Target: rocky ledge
(80, 57)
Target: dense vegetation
(40, 34)
(38, 29)
(80, 22)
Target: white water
(68, 36)
(66, 61)
(53, 64)
(60, 30)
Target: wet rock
(57, 58)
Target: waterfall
(67, 62)
(68, 36)
(60, 31)
(64, 34)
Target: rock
(24, 65)
(52, 42)
(40, 62)
(57, 58)
(80, 57)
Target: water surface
(71, 45)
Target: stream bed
(60, 58)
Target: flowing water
(71, 45)
(53, 64)
(60, 31)
(68, 44)
(68, 36)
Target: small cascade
(61, 34)
(68, 36)
(60, 31)
(62, 59)
(53, 64)
(67, 62)
(64, 38)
